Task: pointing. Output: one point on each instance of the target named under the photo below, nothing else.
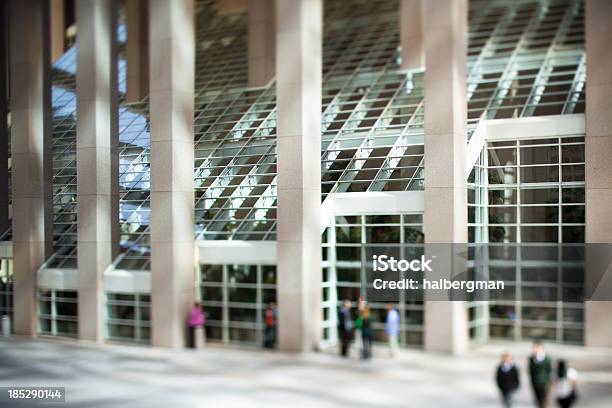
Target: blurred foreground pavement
(129, 376)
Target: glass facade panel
(344, 272)
(6, 288)
(128, 317)
(235, 302)
(524, 59)
(57, 313)
(548, 210)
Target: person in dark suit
(345, 327)
(507, 379)
(540, 371)
(366, 333)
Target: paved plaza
(127, 376)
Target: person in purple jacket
(196, 320)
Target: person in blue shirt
(392, 328)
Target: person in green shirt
(540, 372)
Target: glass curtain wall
(234, 299)
(478, 309)
(128, 317)
(346, 268)
(6, 288)
(58, 313)
(536, 199)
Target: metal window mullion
(53, 313)
(529, 107)
(576, 83)
(350, 169)
(259, 305)
(137, 323)
(518, 335)
(379, 175)
(225, 307)
(536, 19)
(332, 275)
(402, 294)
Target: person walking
(565, 385)
(345, 327)
(366, 333)
(507, 379)
(392, 329)
(196, 322)
(270, 322)
(540, 372)
(357, 331)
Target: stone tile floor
(130, 376)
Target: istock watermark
(382, 263)
(487, 272)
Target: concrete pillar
(58, 29)
(598, 26)
(411, 35)
(97, 158)
(445, 219)
(172, 39)
(137, 49)
(4, 190)
(262, 42)
(30, 152)
(298, 91)
(231, 6)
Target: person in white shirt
(565, 385)
(392, 329)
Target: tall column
(298, 92)
(411, 35)
(58, 29)
(4, 190)
(172, 168)
(598, 26)
(262, 42)
(445, 219)
(97, 160)
(231, 6)
(137, 49)
(30, 152)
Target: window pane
(502, 157)
(540, 196)
(574, 172)
(502, 197)
(540, 215)
(539, 234)
(348, 234)
(502, 215)
(539, 174)
(540, 155)
(212, 273)
(382, 235)
(572, 153)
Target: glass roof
(525, 58)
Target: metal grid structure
(347, 245)
(57, 313)
(128, 317)
(234, 298)
(477, 199)
(525, 57)
(536, 200)
(6, 288)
